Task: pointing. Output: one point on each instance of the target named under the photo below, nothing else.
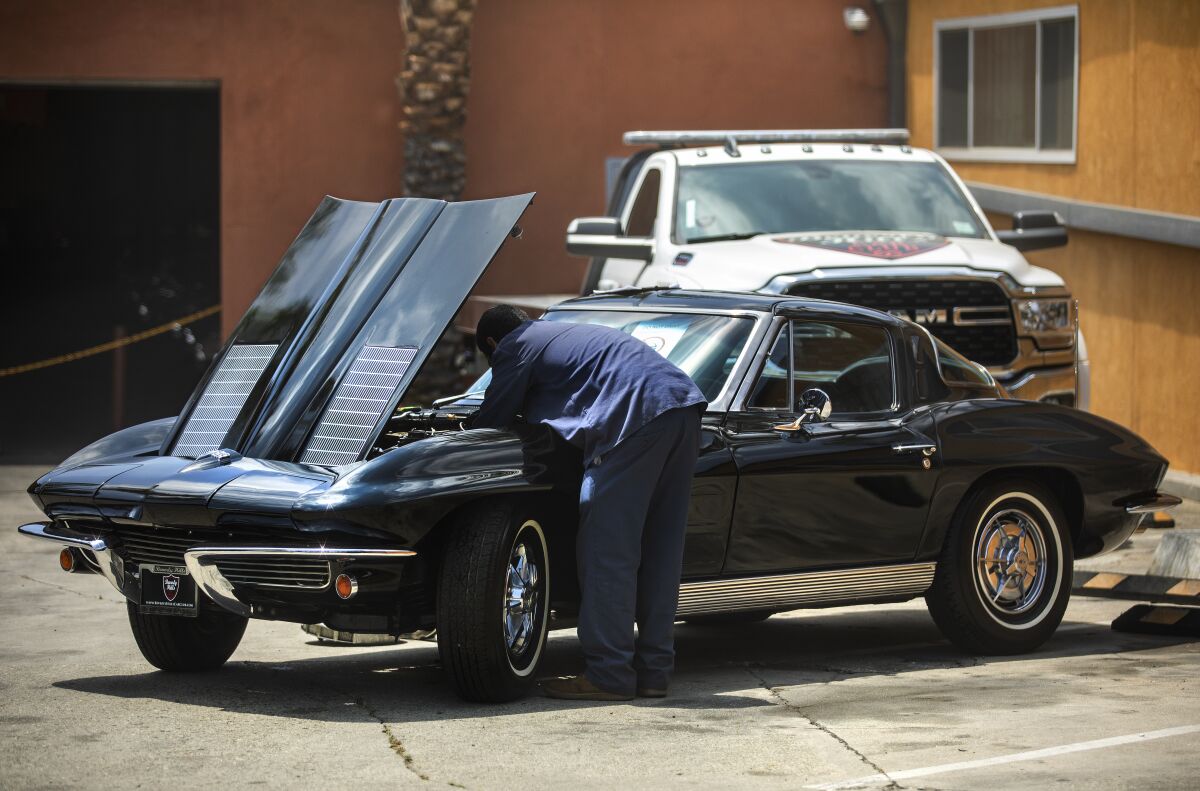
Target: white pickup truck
(849, 215)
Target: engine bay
(410, 424)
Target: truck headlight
(1046, 319)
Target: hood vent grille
(223, 398)
(357, 405)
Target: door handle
(926, 449)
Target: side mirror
(815, 407)
(1035, 230)
(603, 237)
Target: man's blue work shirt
(593, 385)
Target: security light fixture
(856, 19)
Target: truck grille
(989, 344)
(164, 546)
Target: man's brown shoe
(578, 688)
(651, 692)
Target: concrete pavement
(805, 699)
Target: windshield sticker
(964, 227)
(876, 244)
(689, 213)
(660, 338)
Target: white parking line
(1031, 755)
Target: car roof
(668, 299)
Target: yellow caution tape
(113, 344)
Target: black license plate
(167, 590)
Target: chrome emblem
(926, 316)
(213, 458)
(960, 317)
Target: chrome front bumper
(201, 562)
(98, 555)
(202, 565)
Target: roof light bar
(727, 136)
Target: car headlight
(1047, 319)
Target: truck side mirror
(1035, 230)
(603, 237)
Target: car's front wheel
(1004, 575)
(172, 642)
(493, 603)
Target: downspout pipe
(893, 15)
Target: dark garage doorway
(109, 226)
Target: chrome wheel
(521, 603)
(1010, 561)
(525, 596)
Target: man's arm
(505, 394)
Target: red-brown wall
(554, 84)
(308, 99)
(309, 106)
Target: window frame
(938, 346)
(745, 361)
(1035, 154)
(636, 194)
(785, 326)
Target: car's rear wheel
(176, 643)
(1004, 576)
(494, 601)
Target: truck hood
(341, 328)
(751, 264)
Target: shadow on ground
(716, 667)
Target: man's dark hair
(495, 323)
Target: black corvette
(848, 457)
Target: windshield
(736, 201)
(705, 347)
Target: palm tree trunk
(433, 90)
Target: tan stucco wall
(1139, 147)
(1139, 102)
(1138, 311)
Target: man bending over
(636, 417)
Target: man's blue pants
(633, 514)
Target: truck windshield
(734, 201)
(705, 347)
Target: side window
(957, 370)
(645, 206)
(852, 363)
(771, 389)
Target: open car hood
(335, 337)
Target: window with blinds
(1006, 86)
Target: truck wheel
(172, 642)
(1004, 575)
(493, 601)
